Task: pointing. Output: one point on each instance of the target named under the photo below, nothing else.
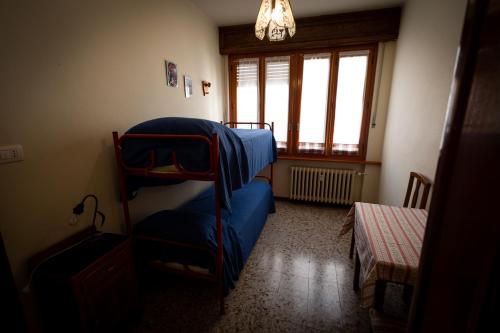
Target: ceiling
(230, 12)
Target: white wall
(425, 57)
(71, 73)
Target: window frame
(294, 100)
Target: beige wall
(71, 73)
(427, 46)
(383, 82)
(366, 188)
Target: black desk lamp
(78, 210)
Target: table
(388, 244)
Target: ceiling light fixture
(275, 16)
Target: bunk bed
(212, 235)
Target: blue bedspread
(260, 148)
(194, 223)
(243, 153)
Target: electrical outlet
(9, 154)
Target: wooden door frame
(458, 284)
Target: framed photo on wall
(188, 86)
(171, 69)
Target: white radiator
(322, 185)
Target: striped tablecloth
(388, 241)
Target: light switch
(13, 153)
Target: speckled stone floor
(297, 279)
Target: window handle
(289, 127)
(298, 127)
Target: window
(276, 94)
(247, 90)
(349, 102)
(276, 97)
(319, 102)
(313, 105)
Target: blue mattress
(194, 223)
(243, 153)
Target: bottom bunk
(187, 236)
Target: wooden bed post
(121, 180)
(218, 220)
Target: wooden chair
(421, 180)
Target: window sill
(327, 159)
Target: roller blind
(277, 90)
(349, 102)
(247, 90)
(314, 102)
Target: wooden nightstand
(91, 287)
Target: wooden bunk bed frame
(212, 174)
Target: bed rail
(261, 125)
(180, 172)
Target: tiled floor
(298, 279)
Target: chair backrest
(420, 180)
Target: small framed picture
(171, 69)
(188, 86)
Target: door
(457, 289)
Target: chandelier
(275, 16)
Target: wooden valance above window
(317, 32)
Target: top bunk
(170, 150)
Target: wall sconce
(205, 85)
